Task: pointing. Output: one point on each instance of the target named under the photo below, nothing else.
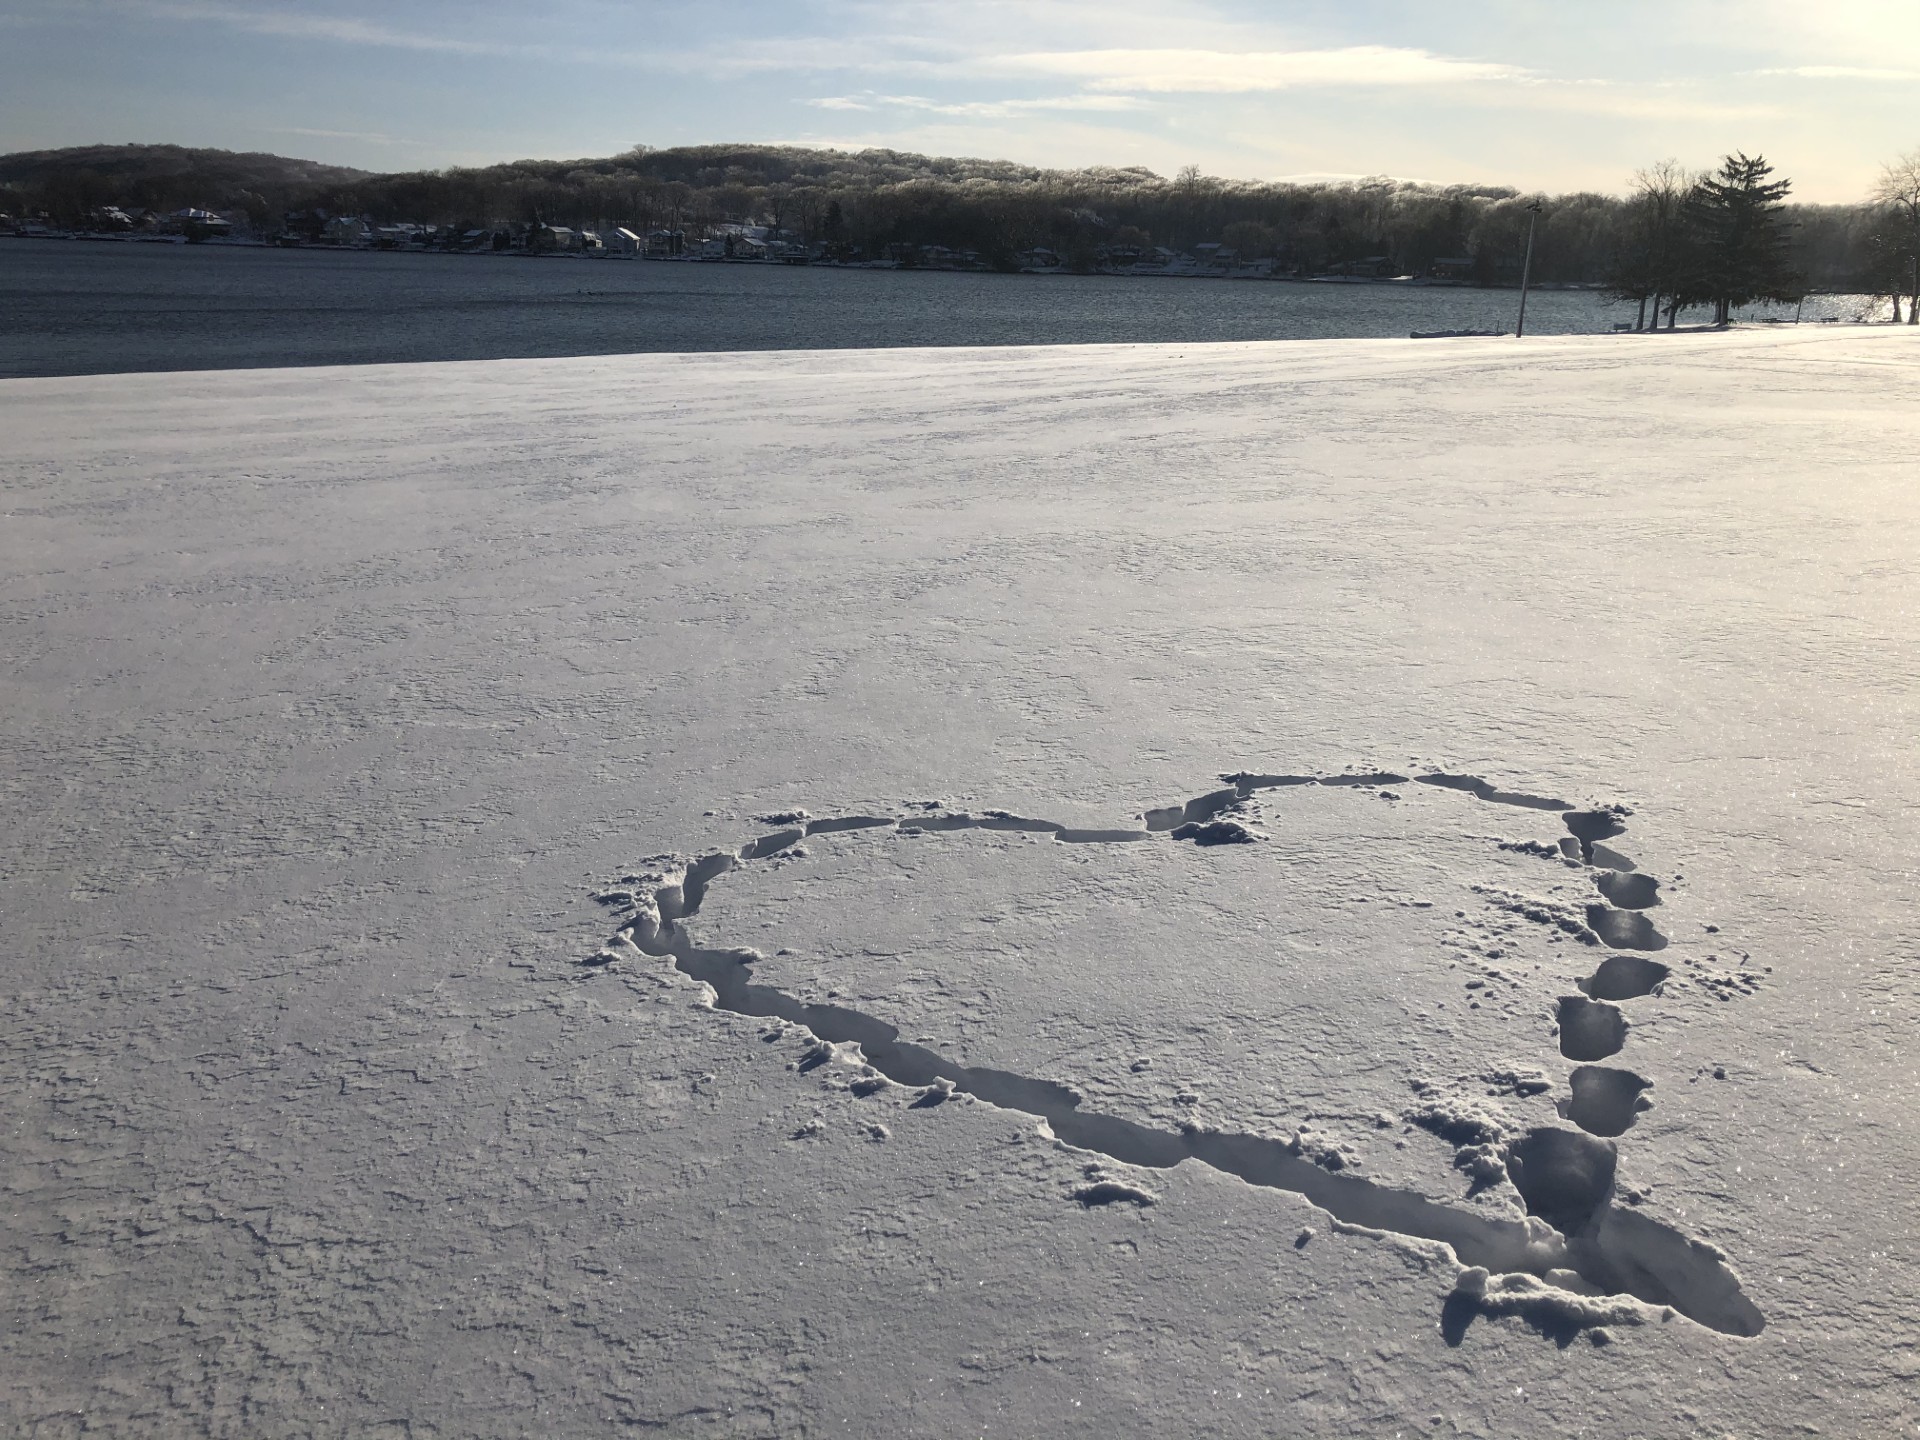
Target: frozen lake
(545, 896)
(78, 308)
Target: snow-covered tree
(1898, 193)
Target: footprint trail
(1574, 1234)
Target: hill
(160, 177)
(139, 162)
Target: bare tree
(675, 194)
(1886, 267)
(777, 200)
(1194, 190)
(1653, 261)
(1249, 239)
(805, 205)
(1899, 191)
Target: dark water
(80, 308)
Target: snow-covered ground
(368, 729)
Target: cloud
(371, 137)
(1228, 72)
(1627, 102)
(344, 29)
(1840, 72)
(981, 109)
(283, 21)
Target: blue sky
(1558, 96)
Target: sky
(1555, 95)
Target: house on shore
(345, 230)
(732, 244)
(198, 224)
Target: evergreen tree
(1740, 238)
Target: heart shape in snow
(1577, 1260)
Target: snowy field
(1328, 888)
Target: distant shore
(1188, 271)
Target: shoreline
(857, 361)
(1149, 273)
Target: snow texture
(415, 1031)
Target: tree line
(1677, 241)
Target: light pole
(1526, 270)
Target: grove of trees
(1721, 240)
